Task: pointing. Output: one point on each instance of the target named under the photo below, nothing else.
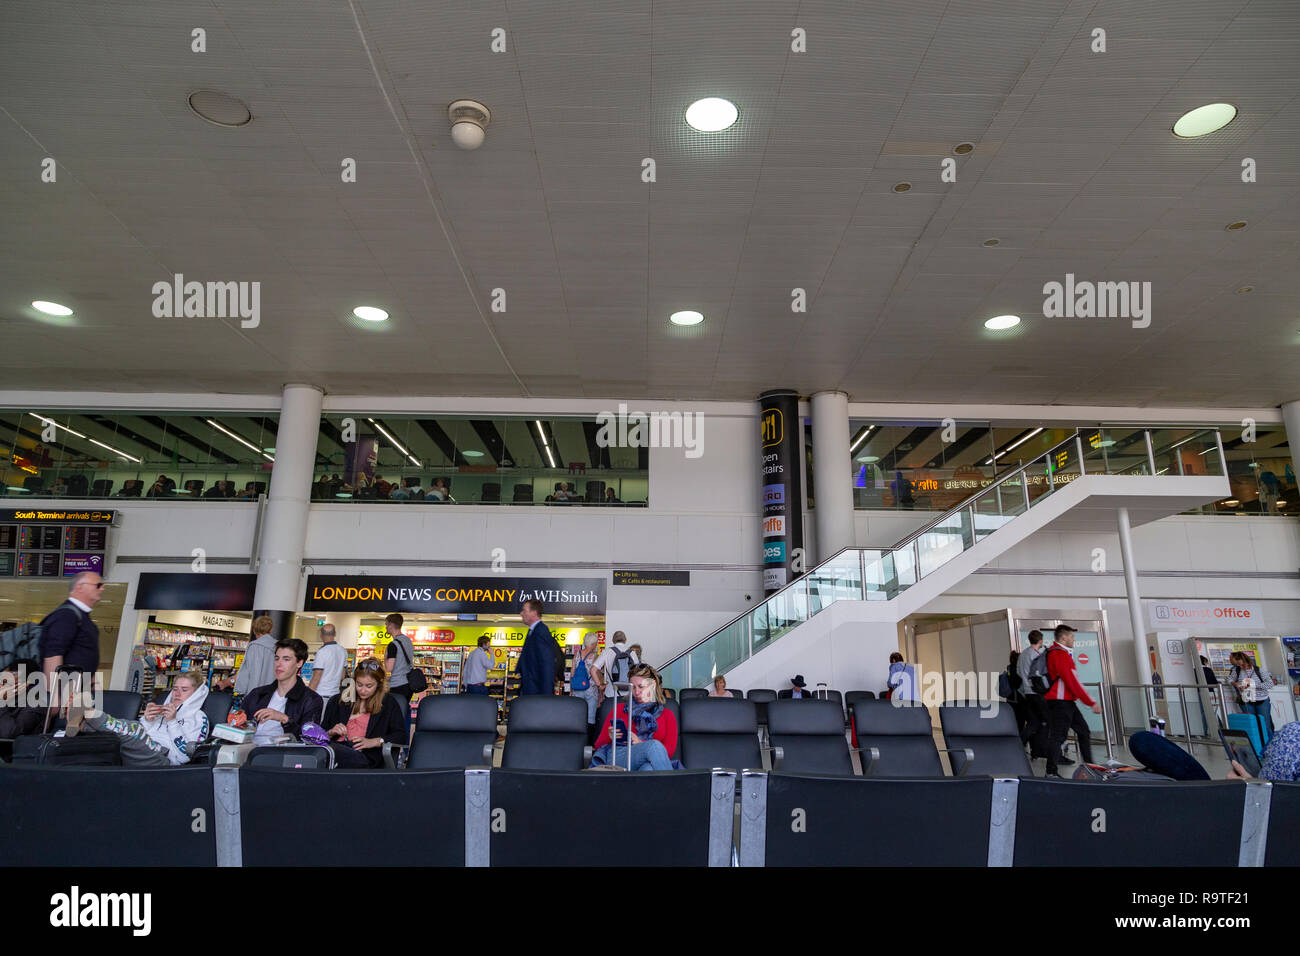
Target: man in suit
(536, 667)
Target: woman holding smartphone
(360, 727)
(650, 730)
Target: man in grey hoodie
(1032, 664)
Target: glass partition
(137, 454)
(426, 459)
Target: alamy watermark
(18, 688)
(208, 300)
(77, 909)
(1100, 300)
(977, 688)
(623, 429)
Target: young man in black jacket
(284, 705)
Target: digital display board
(39, 543)
(38, 564)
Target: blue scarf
(645, 719)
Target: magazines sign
(780, 459)
(411, 594)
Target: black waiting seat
(491, 493)
(78, 486)
(1283, 825)
(990, 732)
(1195, 823)
(761, 696)
(546, 733)
(194, 487)
(131, 488)
(595, 492)
(903, 737)
(851, 698)
(429, 803)
(102, 488)
(715, 732)
(34, 483)
(292, 757)
(451, 731)
(692, 693)
(670, 693)
(809, 736)
(583, 819)
(122, 704)
(849, 821)
(38, 803)
(216, 708)
(523, 494)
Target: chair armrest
(487, 753)
(869, 758)
(234, 755)
(391, 752)
(965, 751)
(775, 756)
(586, 755)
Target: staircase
(1078, 484)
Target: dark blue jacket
(536, 667)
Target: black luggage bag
(83, 750)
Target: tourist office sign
(433, 595)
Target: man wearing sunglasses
(69, 638)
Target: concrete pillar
(284, 524)
(832, 474)
(1291, 419)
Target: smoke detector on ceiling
(469, 120)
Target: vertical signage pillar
(780, 464)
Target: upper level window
(444, 459)
(137, 454)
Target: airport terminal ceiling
(543, 264)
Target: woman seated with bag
(168, 733)
(367, 719)
(651, 731)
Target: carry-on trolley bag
(83, 750)
(613, 731)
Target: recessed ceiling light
(370, 313)
(999, 322)
(869, 459)
(271, 450)
(961, 149)
(51, 308)
(902, 187)
(472, 454)
(991, 242)
(686, 318)
(220, 108)
(711, 115)
(1234, 226)
(1244, 289)
(1204, 120)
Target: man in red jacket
(1062, 711)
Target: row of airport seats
(260, 816)
(549, 733)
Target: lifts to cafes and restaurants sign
(492, 595)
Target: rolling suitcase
(614, 720)
(83, 750)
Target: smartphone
(1237, 745)
(620, 731)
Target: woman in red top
(651, 729)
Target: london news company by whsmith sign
(491, 595)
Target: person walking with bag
(1032, 669)
(1253, 684)
(1065, 689)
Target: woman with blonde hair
(365, 717)
(650, 730)
(584, 668)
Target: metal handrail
(1215, 691)
(903, 543)
(911, 539)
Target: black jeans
(1037, 725)
(1066, 716)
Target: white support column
(1134, 598)
(832, 473)
(1291, 419)
(284, 528)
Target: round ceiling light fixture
(712, 114)
(902, 187)
(51, 308)
(869, 459)
(961, 149)
(469, 122)
(991, 242)
(1244, 289)
(1204, 120)
(471, 453)
(370, 313)
(1234, 226)
(999, 322)
(687, 318)
(220, 109)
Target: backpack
(581, 679)
(622, 665)
(22, 643)
(1039, 681)
(560, 663)
(1009, 686)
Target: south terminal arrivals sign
(492, 595)
(62, 516)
